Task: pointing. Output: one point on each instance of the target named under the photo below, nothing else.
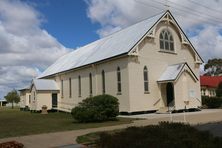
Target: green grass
(17, 123)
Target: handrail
(198, 100)
(156, 102)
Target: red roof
(210, 81)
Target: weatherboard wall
(24, 98)
(157, 61)
(67, 102)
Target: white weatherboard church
(148, 66)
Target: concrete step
(162, 110)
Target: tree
(213, 67)
(12, 97)
(219, 90)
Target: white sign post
(184, 112)
(171, 115)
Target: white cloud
(200, 19)
(25, 48)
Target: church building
(148, 66)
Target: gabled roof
(24, 88)
(45, 84)
(173, 72)
(116, 44)
(210, 81)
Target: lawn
(17, 123)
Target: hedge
(164, 135)
(212, 102)
(97, 108)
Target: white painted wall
(133, 97)
(25, 98)
(110, 68)
(157, 61)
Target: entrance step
(162, 110)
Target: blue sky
(35, 33)
(67, 21)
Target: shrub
(212, 102)
(163, 135)
(219, 90)
(98, 108)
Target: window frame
(146, 80)
(166, 41)
(119, 83)
(103, 82)
(62, 89)
(70, 87)
(79, 86)
(90, 85)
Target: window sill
(170, 52)
(118, 93)
(146, 92)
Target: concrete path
(65, 138)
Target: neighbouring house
(148, 66)
(43, 93)
(3, 102)
(209, 85)
(25, 98)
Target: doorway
(170, 94)
(54, 100)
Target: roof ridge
(112, 45)
(110, 35)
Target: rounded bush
(97, 108)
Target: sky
(34, 33)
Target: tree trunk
(12, 104)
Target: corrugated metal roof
(210, 81)
(113, 45)
(45, 84)
(24, 88)
(171, 72)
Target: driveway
(59, 139)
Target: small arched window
(103, 82)
(62, 91)
(90, 84)
(70, 87)
(119, 89)
(79, 79)
(146, 80)
(166, 41)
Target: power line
(199, 4)
(143, 3)
(199, 14)
(200, 17)
(194, 10)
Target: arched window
(119, 89)
(166, 41)
(70, 87)
(103, 82)
(90, 84)
(79, 78)
(62, 91)
(146, 80)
